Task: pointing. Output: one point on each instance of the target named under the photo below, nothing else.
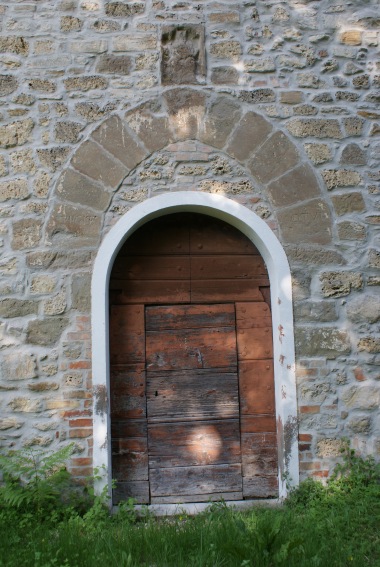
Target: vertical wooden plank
(127, 336)
(256, 386)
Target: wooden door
(192, 389)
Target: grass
(333, 526)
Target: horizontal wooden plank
(130, 465)
(165, 235)
(232, 267)
(178, 396)
(256, 386)
(207, 479)
(194, 443)
(191, 348)
(127, 337)
(126, 292)
(253, 314)
(260, 487)
(251, 442)
(213, 236)
(138, 490)
(254, 344)
(214, 497)
(135, 428)
(151, 268)
(214, 291)
(262, 462)
(127, 392)
(258, 423)
(158, 318)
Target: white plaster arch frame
(282, 316)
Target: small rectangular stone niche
(183, 56)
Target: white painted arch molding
(282, 316)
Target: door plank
(194, 443)
(214, 497)
(165, 235)
(227, 267)
(258, 424)
(215, 291)
(127, 392)
(195, 480)
(260, 487)
(212, 236)
(127, 337)
(189, 316)
(252, 315)
(126, 292)
(263, 462)
(256, 386)
(138, 490)
(151, 268)
(253, 344)
(190, 348)
(251, 442)
(193, 395)
(131, 463)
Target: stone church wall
(272, 104)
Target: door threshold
(193, 508)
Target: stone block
(291, 97)
(25, 405)
(26, 233)
(321, 341)
(353, 126)
(43, 386)
(323, 311)
(81, 292)
(363, 397)
(349, 230)
(114, 64)
(262, 65)
(340, 178)
(348, 203)
(250, 133)
(10, 423)
(274, 158)
(56, 305)
(369, 344)
(226, 50)
(327, 448)
(154, 131)
(16, 133)
(85, 83)
(311, 256)
(118, 140)
(319, 153)
(122, 10)
(41, 285)
(45, 332)
(364, 309)
(74, 221)
(374, 259)
(221, 118)
(22, 161)
(18, 366)
(224, 75)
(66, 131)
(53, 158)
(256, 96)
(14, 44)
(308, 223)
(360, 424)
(8, 84)
(340, 284)
(14, 189)
(76, 188)
(316, 127)
(183, 56)
(70, 23)
(186, 109)
(351, 37)
(298, 185)
(12, 307)
(91, 160)
(41, 184)
(352, 154)
(105, 26)
(42, 85)
(136, 42)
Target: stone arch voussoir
(98, 167)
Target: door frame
(282, 321)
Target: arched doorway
(191, 365)
(257, 231)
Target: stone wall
(105, 104)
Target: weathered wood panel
(253, 344)
(215, 291)
(212, 236)
(263, 462)
(228, 267)
(165, 235)
(128, 392)
(151, 268)
(138, 490)
(196, 394)
(125, 292)
(260, 487)
(132, 462)
(253, 315)
(191, 348)
(258, 423)
(195, 480)
(121, 428)
(215, 497)
(256, 385)
(253, 442)
(189, 316)
(194, 443)
(127, 337)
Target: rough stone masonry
(272, 104)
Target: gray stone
(8, 84)
(68, 132)
(114, 64)
(53, 158)
(26, 233)
(122, 10)
(369, 344)
(76, 188)
(348, 203)
(317, 127)
(353, 126)
(365, 308)
(323, 311)
(318, 153)
(224, 76)
(374, 259)
(323, 341)
(70, 23)
(46, 332)
(360, 424)
(10, 423)
(42, 85)
(327, 448)
(183, 56)
(255, 96)
(300, 184)
(85, 83)
(19, 366)
(340, 284)
(56, 305)
(14, 44)
(16, 133)
(364, 397)
(153, 131)
(275, 157)
(348, 230)
(12, 307)
(226, 50)
(81, 292)
(340, 178)
(43, 284)
(308, 223)
(91, 160)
